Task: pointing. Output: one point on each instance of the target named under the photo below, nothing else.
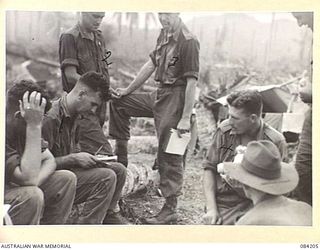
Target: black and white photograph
(158, 118)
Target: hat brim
(287, 182)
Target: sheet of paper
(177, 145)
(292, 122)
(107, 158)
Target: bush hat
(261, 168)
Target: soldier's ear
(82, 93)
(253, 117)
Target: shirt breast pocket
(84, 54)
(173, 67)
(84, 57)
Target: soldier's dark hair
(248, 100)
(16, 92)
(96, 82)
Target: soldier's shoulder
(274, 135)
(187, 34)
(54, 112)
(225, 126)
(74, 31)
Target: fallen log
(35, 59)
(139, 176)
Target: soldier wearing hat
(265, 180)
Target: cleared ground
(147, 202)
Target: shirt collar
(64, 105)
(176, 32)
(84, 34)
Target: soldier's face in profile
(239, 120)
(89, 101)
(168, 20)
(92, 20)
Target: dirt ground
(148, 202)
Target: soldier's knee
(33, 198)
(67, 177)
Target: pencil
(98, 150)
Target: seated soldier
(36, 192)
(225, 202)
(265, 179)
(99, 185)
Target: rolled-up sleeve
(67, 51)
(212, 158)
(152, 55)
(190, 58)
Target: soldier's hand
(85, 160)
(305, 89)
(114, 93)
(120, 92)
(183, 126)
(31, 108)
(212, 217)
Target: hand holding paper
(177, 145)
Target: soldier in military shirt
(175, 61)
(82, 49)
(226, 203)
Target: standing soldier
(175, 61)
(82, 49)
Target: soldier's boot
(167, 215)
